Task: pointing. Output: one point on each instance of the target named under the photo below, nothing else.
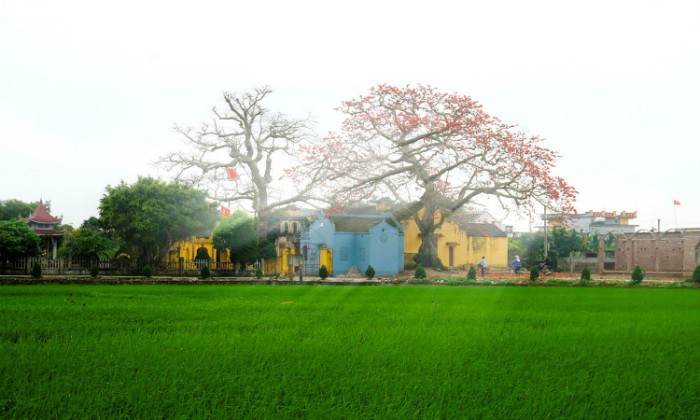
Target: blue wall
(385, 242)
(382, 247)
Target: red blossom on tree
(436, 149)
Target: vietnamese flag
(231, 171)
(225, 211)
(676, 203)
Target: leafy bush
(558, 282)
(637, 274)
(94, 271)
(696, 274)
(534, 273)
(258, 274)
(369, 273)
(471, 275)
(420, 272)
(585, 274)
(323, 272)
(205, 273)
(36, 270)
(147, 271)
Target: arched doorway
(202, 257)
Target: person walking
(483, 265)
(517, 265)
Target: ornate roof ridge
(41, 215)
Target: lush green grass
(328, 352)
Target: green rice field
(262, 351)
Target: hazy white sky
(90, 91)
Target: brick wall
(668, 252)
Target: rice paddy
(252, 351)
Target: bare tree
(437, 150)
(256, 145)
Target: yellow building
(460, 243)
(197, 247)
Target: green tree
(17, 239)
(86, 242)
(420, 272)
(13, 209)
(150, 216)
(696, 274)
(592, 242)
(237, 234)
(369, 273)
(532, 246)
(637, 274)
(562, 243)
(585, 274)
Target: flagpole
(675, 204)
(675, 219)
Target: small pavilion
(45, 225)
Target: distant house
(46, 226)
(591, 222)
(356, 240)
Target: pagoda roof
(41, 215)
(48, 232)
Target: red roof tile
(41, 215)
(48, 232)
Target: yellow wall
(189, 247)
(326, 258)
(466, 250)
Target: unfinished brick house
(674, 252)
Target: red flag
(231, 171)
(676, 203)
(225, 211)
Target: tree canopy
(240, 155)
(17, 239)
(237, 234)
(151, 215)
(88, 241)
(440, 150)
(13, 208)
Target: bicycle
(544, 269)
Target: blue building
(356, 240)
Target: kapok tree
(437, 150)
(240, 156)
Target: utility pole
(546, 248)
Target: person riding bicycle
(517, 265)
(544, 264)
(483, 266)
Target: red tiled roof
(48, 232)
(41, 215)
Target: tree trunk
(428, 252)
(261, 224)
